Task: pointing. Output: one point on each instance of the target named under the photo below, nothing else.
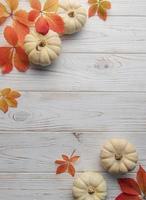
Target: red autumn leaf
(124, 196)
(35, 4)
(33, 15)
(11, 36)
(71, 170)
(67, 164)
(18, 16)
(48, 12)
(61, 169)
(13, 55)
(56, 22)
(141, 179)
(100, 7)
(129, 186)
(42, 26)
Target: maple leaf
(100, 7)
(67, 164)
(19, 17)
(13, 55)
(133, 189)
(8, 99)
(45, 16)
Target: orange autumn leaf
(8, 99)
(19, 17)
(67, 164)
(100, 7)
(42, 25)
(13, 55)
(141, 179)
(46, 12)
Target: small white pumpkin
(42, 49)
(90, 186)
(118, 156)
(74, 16)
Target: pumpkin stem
(91, 190)
(71, 14)
(42, 43)
(118, 156)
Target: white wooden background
(96, 90)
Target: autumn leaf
(42, 25)
(100, 7)
(124, 196)
(45, 15)
(129, 186)
(67, 164)
(141, 179)
(13, 55)
(8, 99)
(19, 17)
(133, 189)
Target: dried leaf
(67, 164)
(8, 99)
(129, 186)
(42, 25)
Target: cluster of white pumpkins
(118, 156)
(44, 49)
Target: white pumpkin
(74, 16)
(90, 186)
(118, 156)
(42, 49)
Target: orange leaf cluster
(13, 55)
(8, 99)
(19, 17)
(133, 189)
(67, 164)
(100, 7)
(45, 16)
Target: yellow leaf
(11, 102)
(51, 5)
(3, 105)
(13, 4)
(5, 92)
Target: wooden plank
(44, 186)
(90, 111)
(36, 152)
(84, 72)
(117, 35)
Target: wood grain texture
(84, 72)
(45, 186)
(88, 111)
(96, 90)
(29, 152)
(118, 35)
